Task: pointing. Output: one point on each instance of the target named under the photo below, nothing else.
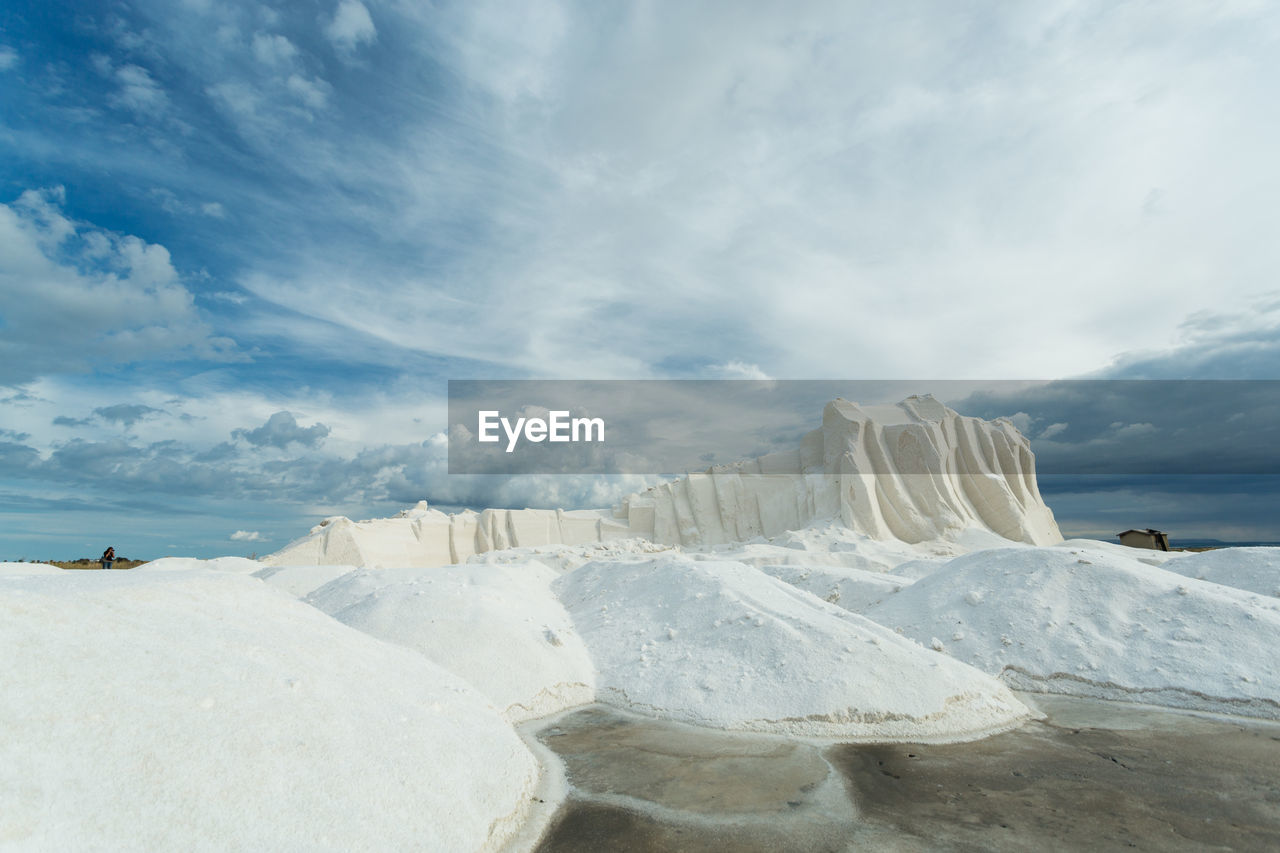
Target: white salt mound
(350, 587)
(498, 627)
(721, 644)
(205, 711)
(300, 581)
(1253, 569)
(1142, 555)
(233, 565)
(826, 544)
(1097, 623)
(852, 589)
(29, 569)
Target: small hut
(1153, 540)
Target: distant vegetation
(88, 563)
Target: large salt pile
(1093, 622)
(29, 569)
(724, 645)
(912, 473)
(1253, 569)
(200, 710)
(235, 565)
(499, 627)
(852, 589)
(300, 580)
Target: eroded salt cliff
(916, 471)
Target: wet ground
(1093, 775)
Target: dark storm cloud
(124, 413)
(1142, 426)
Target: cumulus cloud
(370, 476)
(1053, 429)
(281, 430)
(74, 297)
(739, 370)
(124, 413)
(1022, 421)
(246, 536)
(350, 27)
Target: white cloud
(273, 49)
(1132, 430)
(824, 190)
(350, 27)
(313, 93)
(239, 100)
(739, 370)
(139, 92)
(73, 297)
(1053, 429)
(246, 536)
(170, 203)
(8, 58)
(893, 204)
(1022, 421)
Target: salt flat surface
(722, 644)
(498, 626)
(1093, 622)
(200, 710)
(1253, 569)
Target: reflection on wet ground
(1094, 775)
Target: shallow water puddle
(1095, 775)
(640, 784)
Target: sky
(244, 246)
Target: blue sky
(217, 212)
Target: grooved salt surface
(1094, 622)
(499, 627)
(199, 710)
(913, 472)
(721, 644)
